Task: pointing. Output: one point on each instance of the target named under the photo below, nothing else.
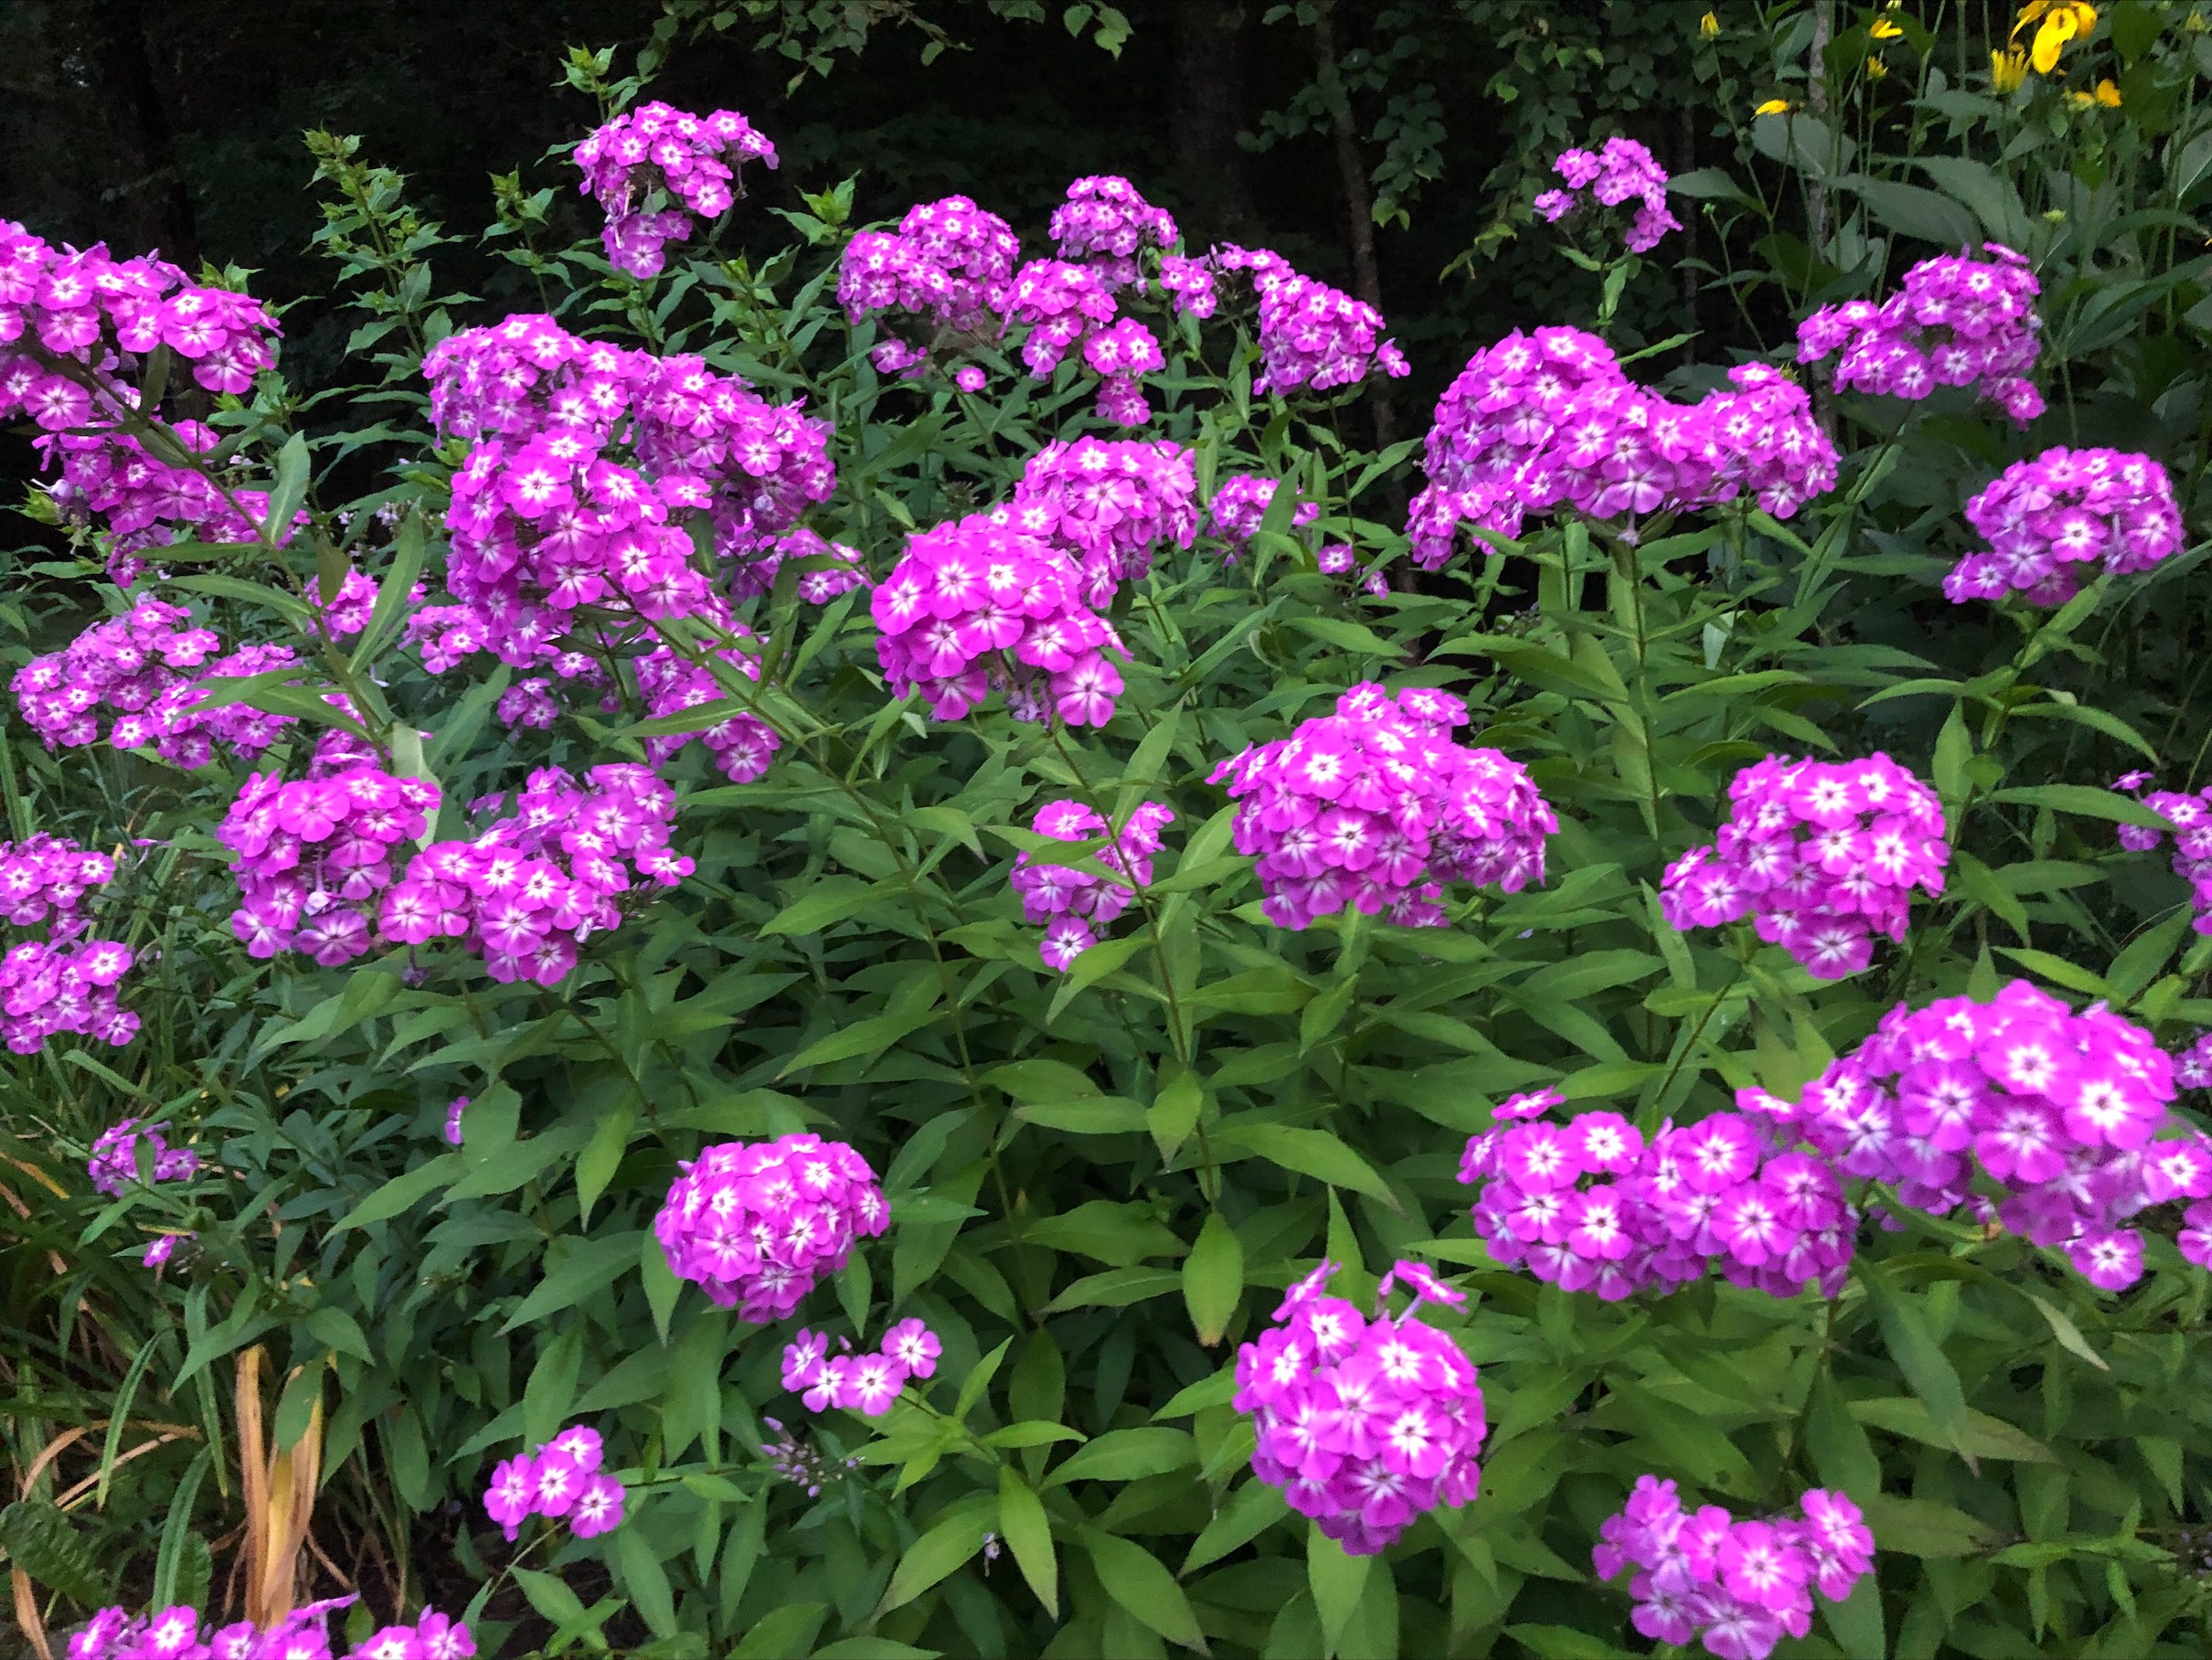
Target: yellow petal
(1876, 70)
(1773, 106)
(2029, 14)
(2108, 94)
(2050, 40)
(1708, 25)
(1883, 30)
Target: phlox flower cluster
(1592, 1205)
(543, 879)
(1823, 855)
(2066, 1115)
(313, 855)
(1239, 505)
(1069, 305)
(2193, 1066)
(563, 1481)
(526, 379)
(114, 1162)
(1377, 806)
(695, 162)
(2050, 518)
(756, 1224)
(1342, 559)
(1739, 1586)
(975, 604)
(1072, 904)
(1957, 321)
(1539, 423)
(1311, 336)
(97, 311)
(1364, 1424)
(1104, 223)
(867, 1384)
(109, 478)
(761, 464)
(1108, 504)
(1619, 172)
(844, 571)
(131, 671)
(179, 1633)
(65, 981)
(942, 265)
(741, 742)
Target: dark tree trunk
(1351, 173)
(1207, 110)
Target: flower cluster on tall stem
(180, 1633)
(1955, 321)
(2049, 519)
(691, 163)
(1377, 807)
(1741, 1586)
(757, 1224)
(1823, 856)
(562, 1480)
(1365, 1424)
(1619, 172)
(66, 981)
(1108, 506)
(1071, 904)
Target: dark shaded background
(176, 124)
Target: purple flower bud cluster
(1621, 171)
(2047, 518)
(562, 1481)
(1535, 424)
(1377, 806)
(1591, 1205)
(1740, 1586)
(694, 161)
(741, 742)
(1107, 505)
(942, 264)
(177, 1633)
(114, 1162)
(104, 313)
(867, 1384)
(756, 1224)
(313, 855)
(1311, 336)
(974, 604)
(1823, 855)
(1957, 321)
(66, 981)
(1073, 904)
(531, 889)
(1365, 1425)
(1105, 222)
(145, 504)
(2063, 1112)
(1241, 504)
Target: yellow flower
(1775, 106)
(2105, 93)
(2056, 22)
(1881, 28)
(1708, 25)
(2007, 71)
(1876, 70)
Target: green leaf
(1251, 1510)
(1028, 1534)
(1927, 1372)
(1914, 211)
(1212, 1278)
(1337, 1580)
(781, 1633)
(2084, 800)
(1980, 1437)
(288, 493)
(43, 1543)
(1135, 1579)
(1124, 1456)
(943, 1548)
(1174, 1113)
(2068, 1334)
(1921, 1527)
(1092, 1115)
(829, 900)
(595, 1166)
(1314, 1153)
(1116, 1288)
(403, 1192)
(580, 1266)
(646, 1582)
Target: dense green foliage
(1100, 1182)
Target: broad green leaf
(1135, 1579)
(1028, 1534)
(1212, 1278)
